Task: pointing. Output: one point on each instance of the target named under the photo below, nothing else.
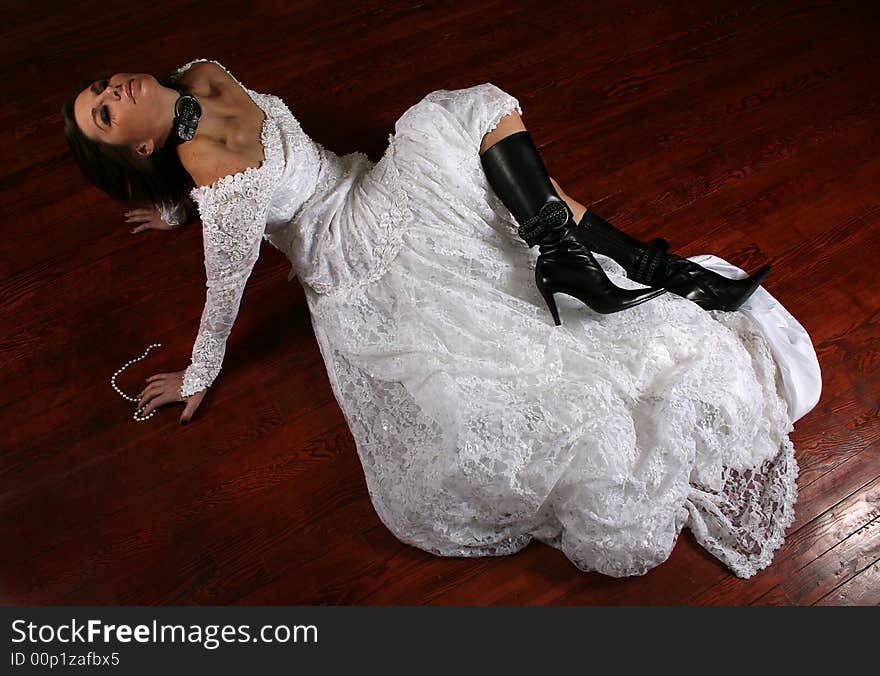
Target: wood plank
(825, 573)
(821, 534)
(744, 130)
(861, 590)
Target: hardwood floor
(748, 130)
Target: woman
(479, 425)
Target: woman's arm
(232, 233)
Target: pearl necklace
(130, 398)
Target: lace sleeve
(477, 109)
(234, 222)
(177, 214)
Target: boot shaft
(517, 173)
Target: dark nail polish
(184, 421)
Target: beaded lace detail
(392, 223)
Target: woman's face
(130, 109)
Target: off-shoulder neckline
(247, 172)
(231, 179)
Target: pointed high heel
(651, 264)
(552, 277)
(547, 293)
(517, 174)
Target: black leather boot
(517, 174)
(651, 264)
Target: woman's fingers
(164, 388)
(149, 391)
(151, 386)
(138, 215)
(146, 219)
(192, 403)
(160, 400)
(153, 382)
(148, 225)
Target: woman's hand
(148, 219)
(164, 388)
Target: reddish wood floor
(749, 130)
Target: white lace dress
(479, 424)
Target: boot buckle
(650, 259)
(551, 216)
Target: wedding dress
(479, 424)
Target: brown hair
(120, 172)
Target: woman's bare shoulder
(207, 161)
(204, 73)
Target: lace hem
(510, 106)
(744, 548)
(199, 375)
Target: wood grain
(748, 130)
